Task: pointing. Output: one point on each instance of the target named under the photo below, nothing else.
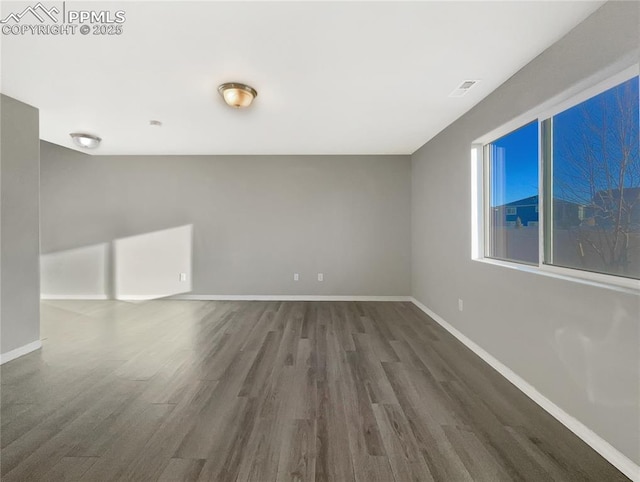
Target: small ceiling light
(86, 141)
(155, 123)
(237, 95)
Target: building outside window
(590, 164)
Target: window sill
(622, 285)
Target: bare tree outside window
(596, 183)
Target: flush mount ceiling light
(237, 95)
(86, 141)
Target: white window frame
(480, 183)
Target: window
(582, 159)
(511, 166)
(593, 160)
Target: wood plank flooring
(270, 391)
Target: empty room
(320, 241)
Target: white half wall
(142, 267)
(80, 273)
(153, 265)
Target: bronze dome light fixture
(237, 95)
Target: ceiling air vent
(463, 88)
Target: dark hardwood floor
(265, 391)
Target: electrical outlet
(460, 304)
(320, 277)
(296, 277)
(183, 276)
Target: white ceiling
(332, 78)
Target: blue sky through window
(590, 141)
(514, 166)
(595, 145)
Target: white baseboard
(18, 352)
(230, 297)
(140, 297)
(627, 466)
(73, 297)
(289, 298)
(102, 297)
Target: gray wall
(577, 344)
(19, 173)
(256, 219)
